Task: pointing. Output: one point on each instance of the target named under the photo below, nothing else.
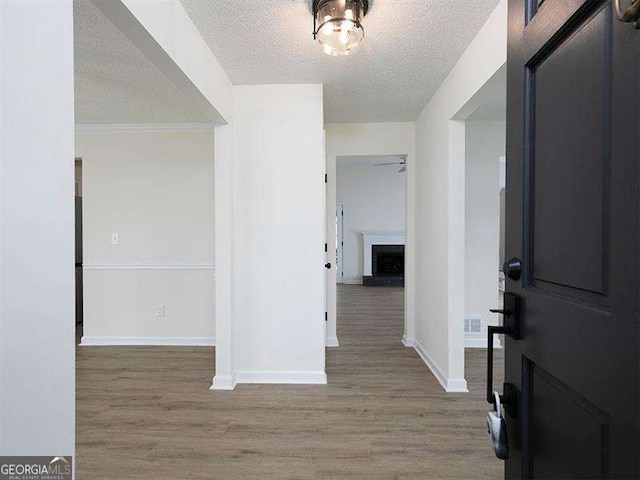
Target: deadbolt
(512, 268)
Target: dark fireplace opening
(390, 264)
(387, 265)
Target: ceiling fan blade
(392, 163)
(403, 169)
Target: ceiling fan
(401, 161)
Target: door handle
(630, 15)
(327, 266)
(511, 326)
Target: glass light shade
(339, 27)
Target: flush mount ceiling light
(337, 24)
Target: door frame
(339, 243)
(376, 139)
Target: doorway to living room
(371, 193)
(370, 254)
(370, 203)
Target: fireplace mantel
(378, 238)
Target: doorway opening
(144, 228)
(484, 171)
(371, 197)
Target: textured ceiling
(115, 82)
(409, 48)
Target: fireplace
(383, 258)
(387, 266)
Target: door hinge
(326, 316)
(326, 247)
(326, 178)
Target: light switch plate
(115, 239)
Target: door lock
(511, 326)
(630, 15)
(497, 428)
(512, 268)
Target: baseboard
(147, 342)
(223, 382)
(457, 385)
(408, 341)
(332, 342)
(450, 385)
(478, 341)
(283, 377)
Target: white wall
(485, 144)
(439, 212)
(371, 139)
(154, 187)
(374, 199)
(279, 234)
(37, 318)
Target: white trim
(457, 385)
(480, 341)
(408, 341)
(147, 341)
(332, 342)
(223, 382)
(146, 127)
(429, 362)
(450, 385)
(352, 281)
(284, 377)
(147, 267)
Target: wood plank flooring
(147, 413)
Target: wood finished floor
(147, 413)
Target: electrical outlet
(160, 311)
(115, 239)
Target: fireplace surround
(383, 258)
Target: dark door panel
(569, 191)
(558, 452)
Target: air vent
(473, 325)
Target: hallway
(147, 413)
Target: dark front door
(573, 220)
